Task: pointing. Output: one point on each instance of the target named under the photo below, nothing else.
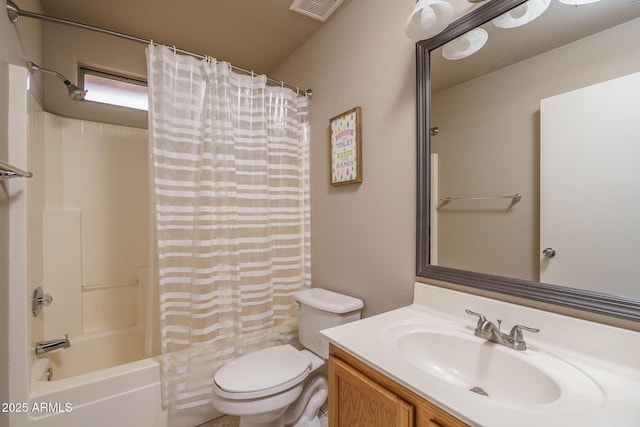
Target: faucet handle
(516, 332)
(481, 318)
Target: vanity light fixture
(523, 14)
(428, 18)
(465, 45)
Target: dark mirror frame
(595, 302)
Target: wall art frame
(345, 147)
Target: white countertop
(608, 358)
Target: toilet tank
(321, 309)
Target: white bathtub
(97, 383)
(126, 395)
(122, 396)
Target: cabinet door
(429, 415)
(357, 401)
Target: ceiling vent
(318, 9)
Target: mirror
(485, 148)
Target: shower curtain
(230, 191)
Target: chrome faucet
(47, 346)
(490, 332)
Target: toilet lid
(264, 369)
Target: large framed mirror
(525, 187)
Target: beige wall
(363, 235)
(22, 42)
(486, 158)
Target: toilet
(282, 386)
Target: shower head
(75, 92)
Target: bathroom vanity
(361, 395)
(427, 364)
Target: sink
(479, 367)
(456, 357)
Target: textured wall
(363, 235)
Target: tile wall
(88, 224)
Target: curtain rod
(14, 12)
(7, 171)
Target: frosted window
(115, 90)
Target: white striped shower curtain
(230, 195)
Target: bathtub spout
(47, 346)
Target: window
(113, 89)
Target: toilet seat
(262, 373)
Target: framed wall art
(346, 147)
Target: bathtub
(89, 384)
(125, 395)
(122, 396)
(100, 381)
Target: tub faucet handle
(46, 299)
(39, 300)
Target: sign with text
(346, 147)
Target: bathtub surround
(230, 162)
(16, 193)
(88, 238)
(119, 395)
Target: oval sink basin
(478, 367)
(492, 371)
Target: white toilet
(273, 387)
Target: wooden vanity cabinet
(360, 396)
